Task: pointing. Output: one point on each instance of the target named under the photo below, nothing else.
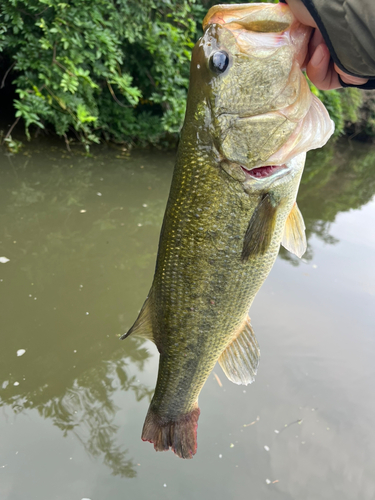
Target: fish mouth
(266, 171)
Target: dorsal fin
(294, 237)
(240, 359)
(260, 229)
(143, 324)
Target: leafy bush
(343, 106)
(113, 67)
(116, 69)
(364, 126)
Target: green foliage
(343, 105)
(82, 63)
(351, 101)
(364, 126)
(12, 145)
(117, 69)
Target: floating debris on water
(267, 448)
(21, 352)
(218, 380)
(231, 445)
(99, 194)
(276, 431)
(145, 205)
(165, 485)
(82, 211)
(16, 383)
(220, 456)
(268, 481)
(4, 260)
(291, 423)
(252, 423)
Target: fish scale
(188, 278)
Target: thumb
(320, 69)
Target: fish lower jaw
(265, 171)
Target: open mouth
(263, 172)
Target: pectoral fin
(294, 238)
(143, 324)
(240, 359)
(261, 227)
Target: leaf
(83, 115)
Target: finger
(320, 69)
(301, 13)
(316, 39)
(352, 80)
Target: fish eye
(219, 61)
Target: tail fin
(179, 434)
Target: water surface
(81, 236)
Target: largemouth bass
(250, 119)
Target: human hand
(320, 68)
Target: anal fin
(143, 324)
(294, 237)
(240, 359)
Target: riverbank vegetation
(93, 70)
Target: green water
(81, 237)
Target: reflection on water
(85, 407)
(81, 237)
(67, 222)
(334, 180)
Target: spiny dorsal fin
(260, 229)
(294, 238)
(143, 324)
(240, 359)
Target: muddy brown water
(81, 236)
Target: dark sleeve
(348, 29)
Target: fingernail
(318, 56)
